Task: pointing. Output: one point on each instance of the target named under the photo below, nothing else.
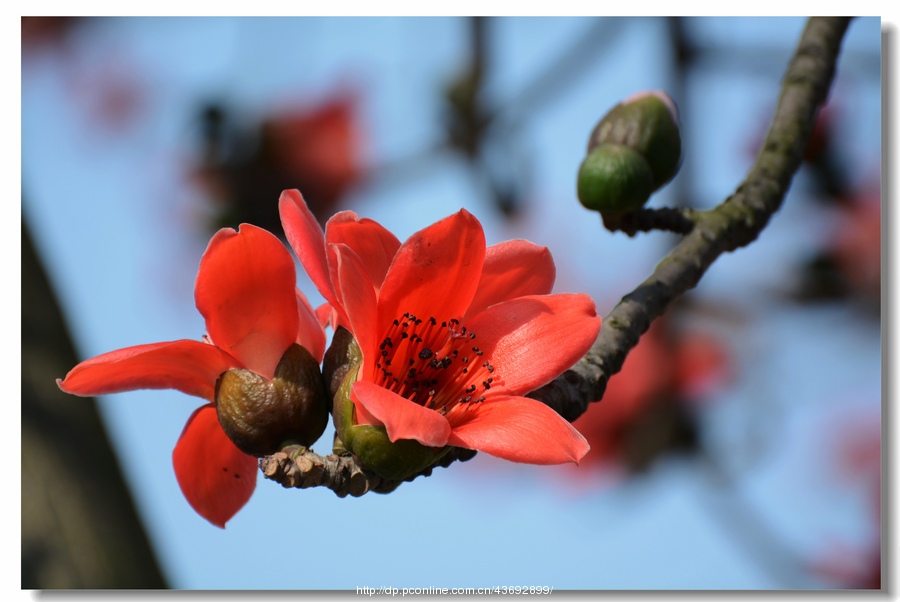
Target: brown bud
(261, 416)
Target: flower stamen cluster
(429, 364)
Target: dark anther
(471, 389)
(433, 321)
(471, 335)
(486, 384)
(425, 354)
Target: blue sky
(121, 234)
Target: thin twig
(671, 219)
(299, 467)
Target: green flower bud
(647, 123)
(614, 179)
(369, 443)
(261, 416)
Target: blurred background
(739, 448)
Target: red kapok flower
(246, 291)
(316, 148)
(453, 334)
(661, 377)
(858, 463)
(319, 146)
(856, 245)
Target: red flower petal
(216, 477)
(358, 299)
(325, 314)
(402, 418)
(307, 239)
(514, 268)
(246, 290)
(310, 334)
(191, 367)
(436, 271)
(519, 429)
(371, 242)
(532, 340)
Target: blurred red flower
(856, 245)
(645, 409)
(316, 150)
(857, 462)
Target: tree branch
(733, 224)
(672, 219)
(299, 467)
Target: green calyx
(648, 124)
(614, 179)
(261, 416)
(370, 444)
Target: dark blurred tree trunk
(79, 525)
